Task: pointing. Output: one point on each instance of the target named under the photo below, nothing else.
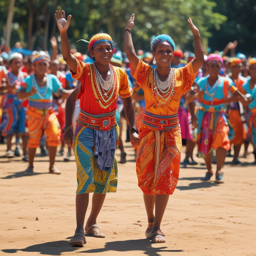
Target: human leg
(236, 154)
(160, 206)
(97, 203)
(82, 201)
(149, 201)
(220, 158)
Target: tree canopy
(33, 21)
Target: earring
(154, 61)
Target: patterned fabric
(158, 161)
(215, 58)
(185, 123)
(13, 117)
(89, 177)
(184, 79)
(214, 132)
(40, 56)
(253, 127)
(234, 61)
(90, 99)
(42, 99)
(39, 121)
(98, 38)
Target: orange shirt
(185, 77)
(89, 95)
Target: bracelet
(127, 29)
(134, 130)
(65, 129)
(233, 89)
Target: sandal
(95, 231)
(219, 178)
(55, 170)
(158, 237)
(148, 230)
(78, 240)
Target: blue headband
(100, 41)
(162, 38)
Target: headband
(161, 38)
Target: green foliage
(240, 26)
(110, 16)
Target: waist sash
(102, 122)
(161, 122)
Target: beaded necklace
(164, 95)
(211, 95)
(38, 88)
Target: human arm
(198, 61)
(54, 48)
(130, 117)
(191, 109)
(128, 43)
(137, 97)
(194, 93)
(230, 46)
(69, 110)
(63, 26)
(237, 96)
(22, 94)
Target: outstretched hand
(130, 22)
(193, 28)
(61, 21)
(54, 42)
(232, 45)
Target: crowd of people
(167, 98)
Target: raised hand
(54, 42)
(130, 22)
(193, 28)
(61, 21)
(232, 45)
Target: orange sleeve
(142, 74)
(125, 89)
(185, 77)
(80, 71)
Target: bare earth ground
(202, 218)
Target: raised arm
(230, 46)
(128, 44)
(63, 26)
(198, 61)
(54, 45)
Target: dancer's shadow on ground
(21, 174)
(50, 248)
(202, 184)
(143, 245)
(59, 247)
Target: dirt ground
(202, 218)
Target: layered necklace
(211, 95)
(164, 89)
(38, 88)
(104, 90)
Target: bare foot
(157, 236)
(54, 170)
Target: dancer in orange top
(158, 161)
(236, 110)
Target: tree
(8, 28)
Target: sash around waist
(161, 122)
(99, 122)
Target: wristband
(233, 89)
(65, 129)
(127, 29)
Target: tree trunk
(46, 30)
(8, 29)
(30, 27)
